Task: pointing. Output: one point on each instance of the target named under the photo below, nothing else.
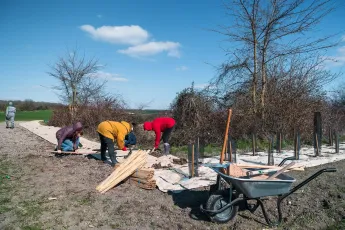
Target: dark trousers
(107, 143)
(166, 134)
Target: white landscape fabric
(175, 178)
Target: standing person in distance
(9, 115)
(158, 125)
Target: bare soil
(42, 191)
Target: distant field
(30, 115)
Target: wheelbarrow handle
(306, 181)
(286, 159)
(329, 170)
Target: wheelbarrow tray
(259, 188)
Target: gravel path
(40, 191)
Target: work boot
(113, 159)
(166, 148)
(103, 158)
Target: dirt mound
(157, 153)
(180, 161)
(159, 166)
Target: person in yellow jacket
(109, 131)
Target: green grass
(337, 226)
(31, 115)
(6, 189)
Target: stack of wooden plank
(143, 178)
(135, 161)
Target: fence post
(254, 143)
(297, 144)
(279, 142)
(194, 152)
(230, 148)
(270, 152)
(317, 133)
(336, 137)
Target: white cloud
(109, 76)
(153, 48)
(132, 35)
(99, 15)
(182, 68)
(337, 60)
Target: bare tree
(77, 78)
(144, 105)
(264, 31)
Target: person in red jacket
(158, 125)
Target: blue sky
(151, 49)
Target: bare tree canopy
(266, 34)
(79, 75)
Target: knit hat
(147, 126)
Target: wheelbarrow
(223, 204)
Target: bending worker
(68, 137)
(109, 131)
(158, 125)
(9, 115)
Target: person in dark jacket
(68, 137)
(130, 139)
(158, 125)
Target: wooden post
(253, 143)
(330, 139)
(225, 137)
(298, 144)
(234, 152)
(317, 133)
(270, 152)
(193, 161)
(280, 142)
(229, 150)
(317, 145)
(336, 137)
(196, 157)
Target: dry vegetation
(272, 85)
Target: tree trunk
(254, 82)
(263, 91)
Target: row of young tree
(274, 79)
(29, 105)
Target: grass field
(31, 115)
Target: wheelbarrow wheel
(217, 201)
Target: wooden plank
(127, 168)
(70, 153)
(281, 171)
